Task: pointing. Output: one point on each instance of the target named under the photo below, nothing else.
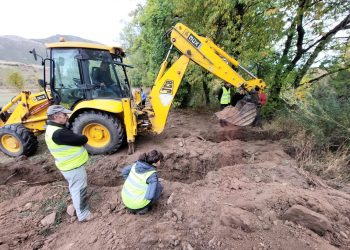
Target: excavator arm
(203, 52)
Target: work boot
(88, 218)
(143, 211)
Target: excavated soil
(224, 188)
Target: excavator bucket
(243, 114)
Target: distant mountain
(56, 38)
(16, 49)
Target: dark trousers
(257, 122)
(222, 106)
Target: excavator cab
(86, 74)
(89, 79)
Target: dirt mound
(218, 194)
(245, 206)
(230, 132)
(39, 171)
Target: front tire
(105, 132)
(16, 140)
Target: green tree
(281, 41)
(310, 37)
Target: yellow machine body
(202, 51)
(126, 114)
(28, 109)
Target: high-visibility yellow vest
(134, 189)
(66, 157)
(226, 96)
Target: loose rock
(37, 245)
(238, 218)
(308, 218)
(186, 134)
(28, 206)
(236, 236)
(49, 220)
(189, 247)
(170, 199)
(72, 219)
(343, 234)
(178, 214)
(71, 210)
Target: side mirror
(42, 83)
(34, 54)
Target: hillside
(16, 49)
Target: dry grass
(322, 161)
(315, 158)
(282, 124)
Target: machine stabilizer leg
(131, 148)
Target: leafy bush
(300, 142)
(318, 129)
(15, 79)
(324, 114)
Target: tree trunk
(186, 98)
(206, 89)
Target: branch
(341, 26)
(327, 74)
(323, 42)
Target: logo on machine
(167, 87)
(194, 41)
(40, 97)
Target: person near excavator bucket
(237, 96)
(256, 100)
(225, 95)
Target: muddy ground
(225, 188)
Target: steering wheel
(77, 81)
(100, 85)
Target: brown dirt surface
(224, 188)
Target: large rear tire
(105, 132)
(16, 140)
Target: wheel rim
(97, 134)
(11, 143)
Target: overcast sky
(97, 20)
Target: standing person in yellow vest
(224, 95)
(142, 188)
(70, 157)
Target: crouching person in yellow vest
(142, 188)
(70, 157)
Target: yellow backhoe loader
(91, 80)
